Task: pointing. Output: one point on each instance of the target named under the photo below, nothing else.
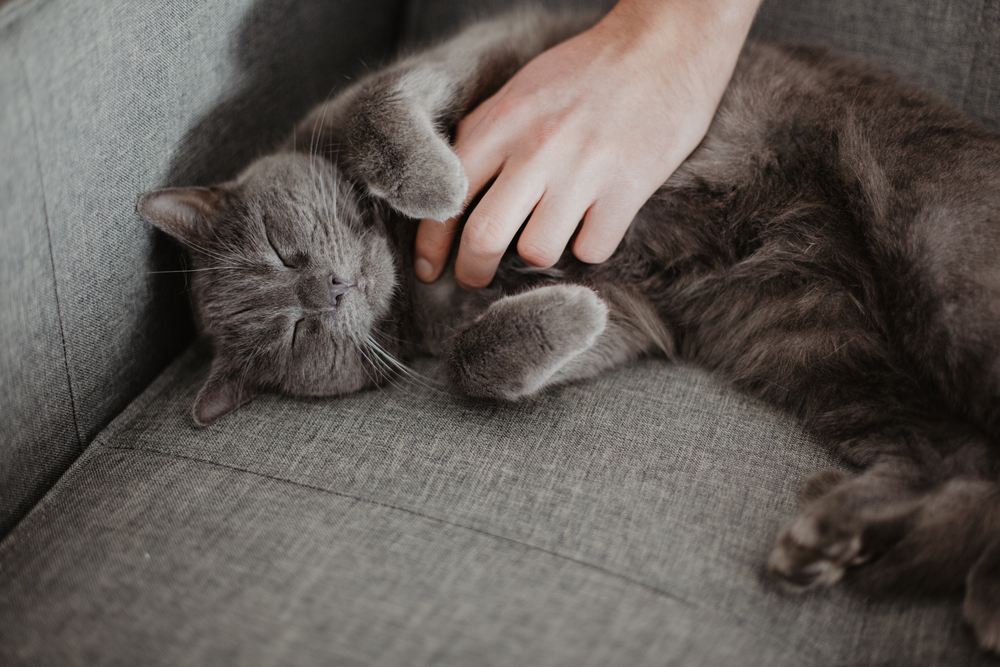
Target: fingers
(492, 225)
(552, 225)
(434, 241)
(434, 238)
(603, 229)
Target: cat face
(290, 278)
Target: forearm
(713, 20)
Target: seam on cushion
(52, 257)
(124, 420)
(742, 622)
(340, 494)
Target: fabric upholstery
(951, 47)
(620, 521)
(38, 438)
(101, 101)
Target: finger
(604, 226)
(433, 244)
(434, 239)
(492, 225)
(552, 224)
(483, 155)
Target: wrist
(665, 38)
(666, 24)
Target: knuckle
(594, 252)
(485, 234)
(538, 254)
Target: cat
(832, 247)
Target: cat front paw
(428, 183)
(519, 345)
(399, 155)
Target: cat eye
(284, 261)
(295, 331)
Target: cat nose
(337, 289)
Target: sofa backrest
(101, 100)
(951, 48)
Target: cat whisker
(408, 372)
(365, 357)
(211, 268)
(382, 369)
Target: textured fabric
(38, 438)
(620, 521)
(101, 101)
(427, 20)
(949, 46)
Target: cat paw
(431, 184)
(985, 622)
(521, 342)
(813, 552)
(397, 152)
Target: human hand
(588, 131)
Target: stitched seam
(742, 622)
(52, 257)
(348, 496)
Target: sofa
(620, 521)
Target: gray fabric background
(949, 46)
(620, 521)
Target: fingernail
(424, 269)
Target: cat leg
(903, 525)
(391, 130)
(552, 335)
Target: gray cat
(832, 247)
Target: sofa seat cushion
(623, 520)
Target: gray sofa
(623, 521)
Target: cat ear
(184, 213)
(225, 390)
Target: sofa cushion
(620, 521)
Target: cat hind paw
(813, 553)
